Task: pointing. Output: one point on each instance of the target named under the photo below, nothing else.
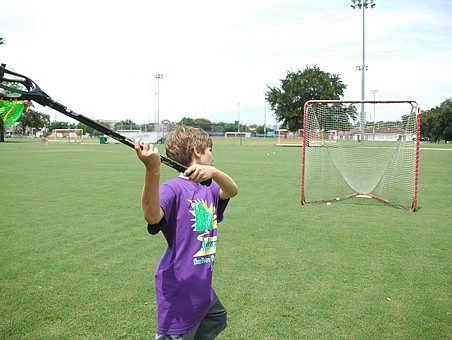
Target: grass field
(77, 262)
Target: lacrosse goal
(361, 148)
(69, 135)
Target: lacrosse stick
(26, 89)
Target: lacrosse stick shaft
(29, 90)
(109, 132)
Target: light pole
(158, 77)
(374, 92)
(265, 117)
(238, 124)
(363, 4)
(238, 115)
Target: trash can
(103, 140)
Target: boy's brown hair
(182, 141)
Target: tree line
(286, 100)
(436, 123)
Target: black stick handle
(113, 134)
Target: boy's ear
(196, 152)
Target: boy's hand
(199, 173)
(148, 154)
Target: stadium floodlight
(335, 165)
(158, 77)
(363, 4)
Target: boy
(187, 213)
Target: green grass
(77, 262)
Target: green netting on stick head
(11, 111)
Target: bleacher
(150, 137)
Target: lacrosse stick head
(15, 86)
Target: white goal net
(361, 148)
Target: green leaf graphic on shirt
(203, 217)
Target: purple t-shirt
(183, 279)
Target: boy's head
(182, 142)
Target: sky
(100, 58)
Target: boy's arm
(150, 197)
(228, 188)
(199, 173)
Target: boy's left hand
(199, 173)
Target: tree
(232, 127)
(297, 88)
(202, 121)
(260, 129)
(88, 130)
(436, 124)
(187, 121)
(126, 125)
(34, 120)
(60, 125)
